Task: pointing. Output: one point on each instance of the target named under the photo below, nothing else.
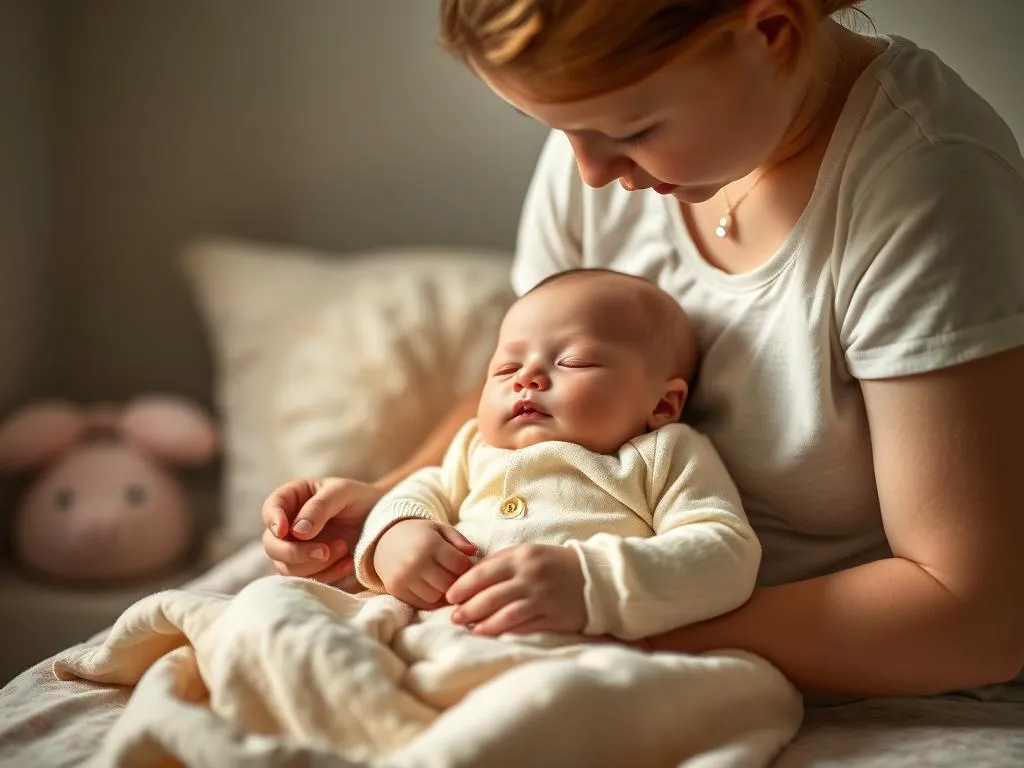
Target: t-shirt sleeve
(550, 227)
(933, 269)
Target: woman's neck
(838, 58)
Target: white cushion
(328, 365)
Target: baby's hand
(525, 588)
(418, 560)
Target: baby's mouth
(526, 409)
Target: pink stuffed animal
(105, 505)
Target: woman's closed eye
(636, 139)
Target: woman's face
(689, 129)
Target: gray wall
(335, 124)
(24, 202)
(980, 39)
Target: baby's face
(567, 367)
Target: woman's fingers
(328, 500)
(283, 504)
(302, 558)
(336, 572)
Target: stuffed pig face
(105, 504)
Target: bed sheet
(48, 723)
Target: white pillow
(336, 366)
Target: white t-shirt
(908, 258)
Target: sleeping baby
(573, 509)
(594, 510)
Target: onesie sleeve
(431, 493)
(550, 226)
(701, 562)
(932, 273)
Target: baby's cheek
(489, 429)
(594, 401)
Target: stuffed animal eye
(65, 498)
(136, 495)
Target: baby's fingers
(488, 603)
(453, 561)
(438, 579)
(421, 595)
(515, 617)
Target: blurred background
(129, 127)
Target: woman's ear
(780, 27)
(670, 405)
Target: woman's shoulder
(918, 111)
(928, 226)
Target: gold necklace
(725, 224)
(724, 228)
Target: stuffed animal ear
(38, 434)
(172, 428)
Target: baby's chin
(511, 437)
(514, 439)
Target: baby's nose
(532, 379)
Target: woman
(844, 221)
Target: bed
(47, 722)
(287, 399)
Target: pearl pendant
(724, 224)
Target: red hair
(566, 50)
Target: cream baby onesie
(658, 526)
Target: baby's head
(591, 357)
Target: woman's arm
(431, 452)
(947, 610)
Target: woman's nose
(598, 166)
(531, 378)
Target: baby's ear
(670, 406)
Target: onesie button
(513, 507)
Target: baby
(593, 509)
(595, 514)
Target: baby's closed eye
(576, 362)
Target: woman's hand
(313, 525)
(418, 560)
(525, 588)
